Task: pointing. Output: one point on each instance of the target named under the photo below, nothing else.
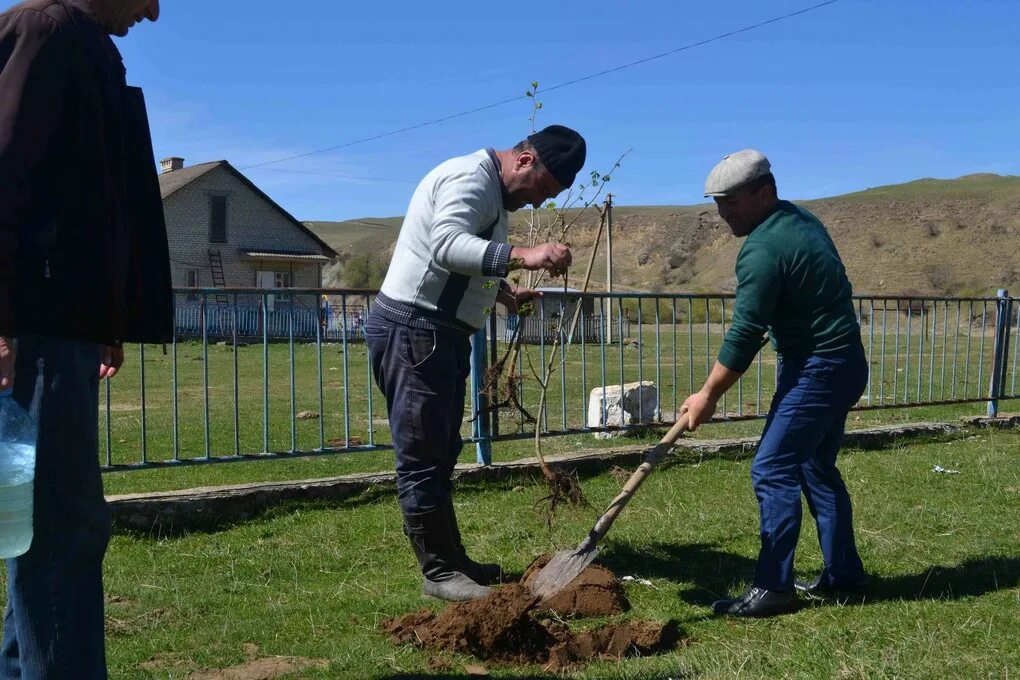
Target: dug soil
(512, 626)
(595, 592)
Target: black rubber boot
(485, 573)
(435, 546)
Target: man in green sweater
(791, 284)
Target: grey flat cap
(736, 170)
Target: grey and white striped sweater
(452, 241)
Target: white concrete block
(638, 402)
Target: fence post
(493, 358)
(480, 424)
(1000, 352)
(609, 269)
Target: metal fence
(252, 316)
(535, 330)
(249, 377)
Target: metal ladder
(219, 280)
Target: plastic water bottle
(18, 432)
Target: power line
(339, 176)
(436, 121)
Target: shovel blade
(563, 568)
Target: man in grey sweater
(447, 270)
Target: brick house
(225, 232)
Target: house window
(191, 281)
(283, 280)
(218, 219)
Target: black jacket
(83, 249)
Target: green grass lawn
(314, 580)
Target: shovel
(565, 565)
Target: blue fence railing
(270, 373)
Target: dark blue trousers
(53, 627)
(423, 375)
(797, 454)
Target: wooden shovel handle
(636, 480)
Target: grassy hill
(368, 238)
(358, 236)
(931, 236)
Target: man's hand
(699, 408)
(511, 296)
(111, 358)
(552, 257)
(8, 354)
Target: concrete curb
(210, 508)
(1001, 423)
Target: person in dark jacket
(791, 283)
(83, 269)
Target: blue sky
(856, 94)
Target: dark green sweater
(791, 282)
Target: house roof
(170, 182)
(175, 180)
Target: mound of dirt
(633, 638)
(498, 627)
(509, 627)
(595, 592)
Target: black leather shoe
(822, 587)
(757, 602)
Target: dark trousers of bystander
(54, 625)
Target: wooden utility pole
(609, 267)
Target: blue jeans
(53, 626)
(797, 453)
(423, 375)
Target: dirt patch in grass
(167, 661)
(619, 474)
(510, 626)
(260, 668)
(124, 615)
(125, 625)
(340, 442)
(121, 600)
